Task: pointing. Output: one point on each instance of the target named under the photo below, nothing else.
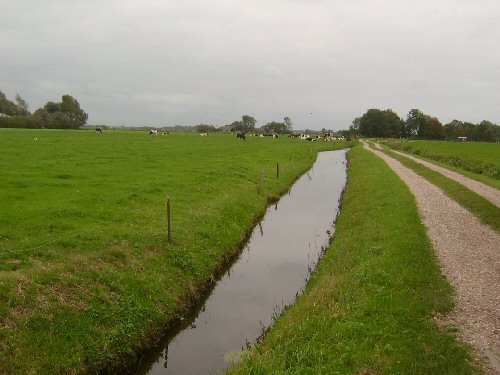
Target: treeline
(247, 124)
(65, 114)
(417, 125)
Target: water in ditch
(272, 269)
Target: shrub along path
(468, 252)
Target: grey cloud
(157, 62)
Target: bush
(20, 122)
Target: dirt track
(469, 255)
(488, 192)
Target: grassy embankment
(87, 276)
(369, 308)
(482, 208)
(477, 160)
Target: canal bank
(375, 303)
(271, 271)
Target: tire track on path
(488, 192)
(469, 255)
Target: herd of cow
(328, 137)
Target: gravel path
(488, 192)
(469, 255)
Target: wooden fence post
(168, 220)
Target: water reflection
(271, 271)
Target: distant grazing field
(86, 273)
(476, 157)
(482, 151)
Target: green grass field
(87, 276)
(479, 160)
(369, 308)
(486, 152)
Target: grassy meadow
(478, 160)
(87, 276)
(370, 307)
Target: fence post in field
(168, 220)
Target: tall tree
(8, 107)
(70, 108)
(373, 124)
(396, 125)
(354, 128)
(22, 105)
(64, 115)
(415, 120)
(288, 123)
(248, 123)
(431, 129)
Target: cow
(241, 135)
(304, 136)
(98, 130)
(153, 132)
(165, 133)
(204, 134)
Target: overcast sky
(320, 62)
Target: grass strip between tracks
(482, 208)
(369, 308)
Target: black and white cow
(241, 135)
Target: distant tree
(454, 129)
(415, 120)
(288, 123)
(202, 128)
(396, 125)
(9, 108)
(70, 108)
(431, 129)
(372, 124)
(22, 105)
(64, 115)
(275, 127)
(247, 124)
(354, 128)
(237, 126)
(377, 123)
(52, 107)
(486, 131)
